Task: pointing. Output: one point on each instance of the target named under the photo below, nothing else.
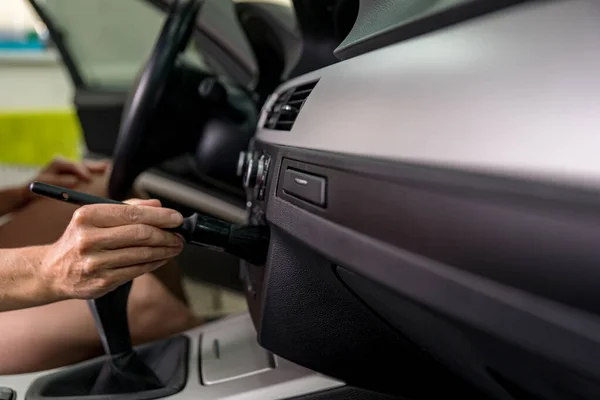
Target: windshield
(109, 40)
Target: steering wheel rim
(146, 96)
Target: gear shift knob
(110, 314)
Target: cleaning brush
(247, 242)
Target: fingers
(67, 181)
(66, 173)
(111, 215)
(144, 202)
(96, 167)
(61, 166)
(121, 258)
(106, 245)
(135, 236)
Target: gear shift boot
(152, 371)
(156, 370)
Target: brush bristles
(250, 243)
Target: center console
(224, 362)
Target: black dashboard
(431, 194)
(426, 236)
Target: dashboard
(432, 206)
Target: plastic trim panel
(539, 323)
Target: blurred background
(36, 116)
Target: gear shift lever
(123, 371)
(110, 314)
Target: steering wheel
(146, 96)
(131, 158)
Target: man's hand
(107, 245)
(59, 172)
(65, 173)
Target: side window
(107, 40)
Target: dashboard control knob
(241, 164)
(250, 175)
(262, 170)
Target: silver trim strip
(230, 354)
(286, 381)
(511, 93)
(190, 197)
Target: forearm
(12, 199)
(21, 284)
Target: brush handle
(83, 199)
(208, 232)
(68, 195)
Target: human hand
(65, 173)
(107, 245)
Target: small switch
(305, 186)
(7, 394)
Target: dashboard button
(307, 187)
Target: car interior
(423, 175)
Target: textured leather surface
(162, 363)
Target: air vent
(284, 111)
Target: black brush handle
(68, 195)
(83, 199)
